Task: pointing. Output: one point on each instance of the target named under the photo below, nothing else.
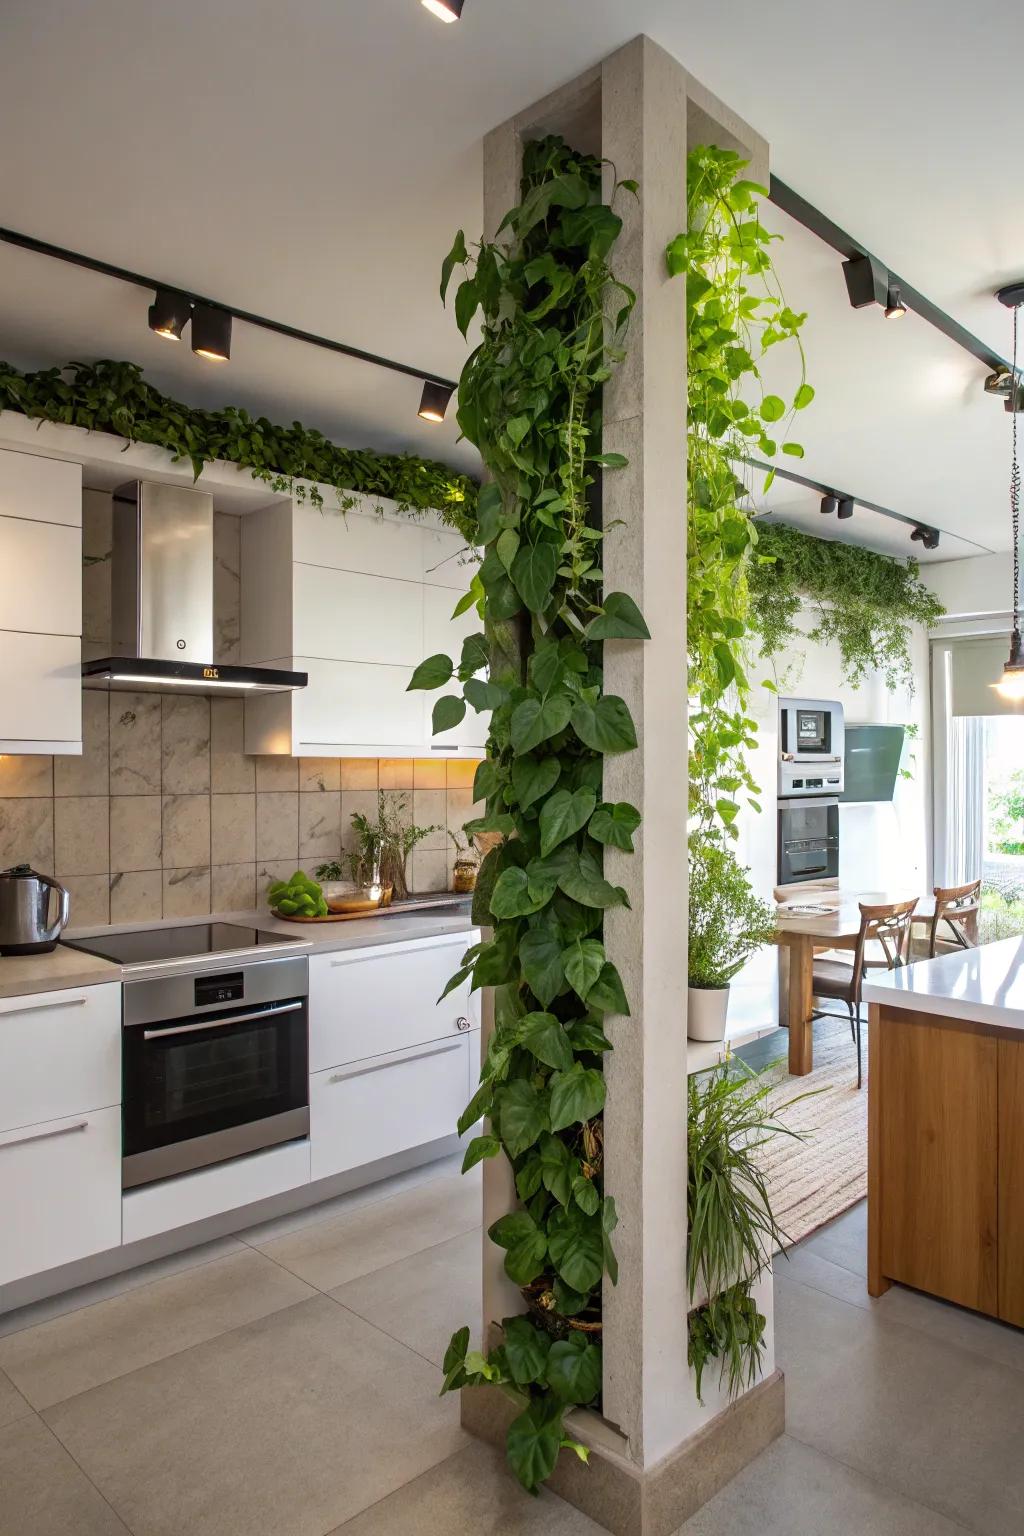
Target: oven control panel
(227, 987)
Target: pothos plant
(735, 313)
(553, 322)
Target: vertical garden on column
(553, 325)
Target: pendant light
(1011, 684)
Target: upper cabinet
(40, 604)
(357, 600)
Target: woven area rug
(815, 1179)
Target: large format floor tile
(333, 1252)
(58, 1359)
(472, 1494)
(286, 1427)
(422, 1300)
(43, 1493)
(936, 1422)
(12, 1404)
(792, 1490)
(845, 1240)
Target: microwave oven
(811, 747)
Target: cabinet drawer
(60, 1053)
(359, 1114)
(369, 1002)
(40, 691)
(40, 577)
(60, 1192)
(358, 541)
(47, 490)
(352, 703)
(347, 616)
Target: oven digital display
(812, 730)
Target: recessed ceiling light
(169, 313)
(434, 401)
(445, 10)
(211, 333)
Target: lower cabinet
(373, 1108)
(60, 1192)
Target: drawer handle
(64, 1130)
(382, 1066)
(462, 1023)
(66, 1002)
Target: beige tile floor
(284, 1382)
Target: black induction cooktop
(190, 941)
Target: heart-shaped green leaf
(533, 572)
(533, 1442)
(532, 778)
(540, 959)
(544, 1037)
(615, 825)
(484, 696)
(606, 726)
(525, 1245)
(512, 896)
(558, 1168)
(564, 815)
(534, 721)
(574, 1242)
(581, 879)
(521, 1115)
(582, 962)
(432, 673)
(526, 1349)
(621, 620)
(479, 1148)
(574, 1369)
(576, 1096)
(607, 993)
(448, 712)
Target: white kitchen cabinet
(60, 1191)
(357, 600)
(443, 634)
(47, 490)
(372, 1109)
(60, 1053)
(368, 1003)
(40, 604)
(40, 693)
(177, 1202)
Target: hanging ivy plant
(863, 603)
(735, 313)
(114, 397)
(529, 399)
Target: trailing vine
(864, 603)
(529, 398)
(114, 397)
(735, 313)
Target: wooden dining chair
(954, 923)
(887, 928)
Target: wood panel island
(946, 1129)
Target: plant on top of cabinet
(733, 1230)
(554, 319)
(109, 396)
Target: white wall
(881, 846)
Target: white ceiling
(311, 161)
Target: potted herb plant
(727, 924)
(465, 869)
(383, 846)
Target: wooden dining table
(801, 935)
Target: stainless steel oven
(216, 1064)
(811, 747)
(808, 840)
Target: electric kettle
(25, 902)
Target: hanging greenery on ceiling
(863, 603)
(554, 319)
(114, 397)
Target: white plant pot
(706, 1011)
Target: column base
(632, 1501)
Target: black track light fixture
(211, 333)
(867, 282)
(929, 537)
(895, 309)
(444, 10)
(434, 400)
(845, 508)
(828, 506)
(169, 313)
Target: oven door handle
(235, 1018)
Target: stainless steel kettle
(25, 902)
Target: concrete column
(657, 1455)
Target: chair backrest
(957, 906)
(888, 924)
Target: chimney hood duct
(162, 600)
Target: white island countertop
(984, 986)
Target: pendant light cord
(1015, 480)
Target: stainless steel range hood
(162, 600)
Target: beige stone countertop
(21, 975)
(363, 932)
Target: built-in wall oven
(808, 840)
(811, 747)
(215, 1065)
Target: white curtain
(961, 858)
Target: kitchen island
(946, 1129)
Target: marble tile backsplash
(164, 815)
